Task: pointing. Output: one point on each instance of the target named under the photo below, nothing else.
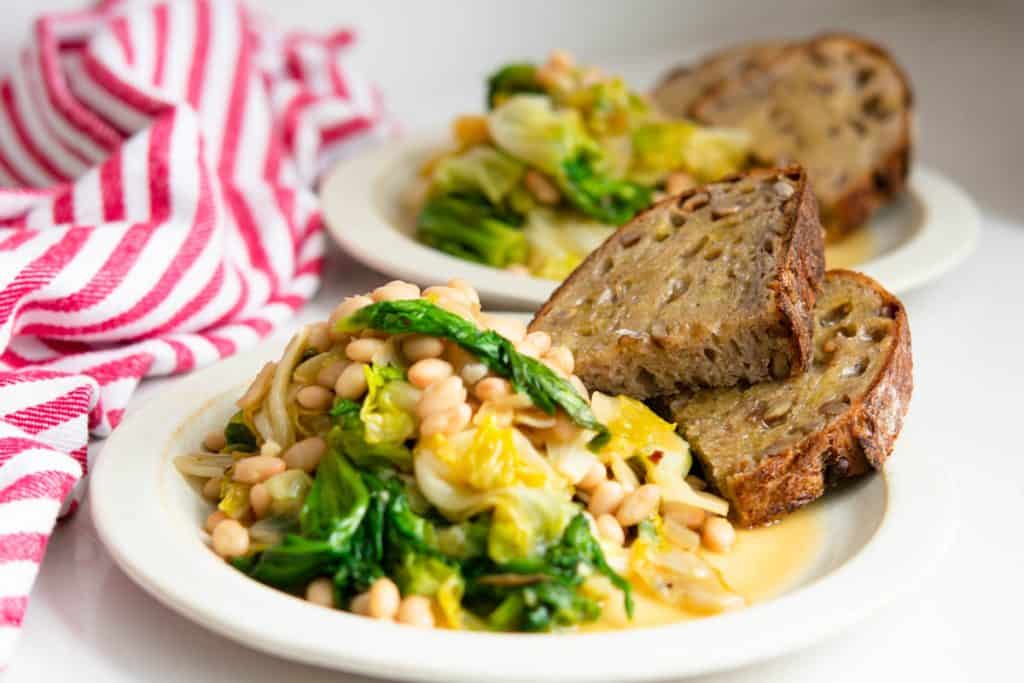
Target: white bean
(441, 396)
(606, 498)
(321, 592)
(213, 519)
(689, 516)
(396, 290)
(259, 499)
(319, 337)
(456, 296)
(211, 489)
(464, 287)
(473, 373)
(594, 476)
(345, 309)
(492, 389)
(419, 347)
(360, 605)
(610, 529)
(257, 468)
(384, 599)
(561, 358)
(509, 328)
(458, 418)
(352, 382)
(638, 505)
(415, 610)
(540, 341)
(314, 397)
(329, 374)
(230, 539)
(718, 534)
(214, 441)
(363, 350)
(305, 455)
(425, 372)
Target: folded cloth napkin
(156, 214)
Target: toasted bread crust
(863, 195)
(799, 270)
(852, 444)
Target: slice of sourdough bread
(773, 447)
(707, 289)
(680, 88)
(836, 104)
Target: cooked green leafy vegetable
(547, 390)
(337, 502)
(603, 198)
(238, 435)
(349, 436)
(512, 79)
(470, 227)
(479, 170)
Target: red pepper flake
(656, 457)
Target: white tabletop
(88, 621)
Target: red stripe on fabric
(22, 547)
(110, 188)
(310, 267)
(225, 347)
(114, 417)
(41, 271)
(60, 97)
(39, 418)
(195, 304)
(119, 27)
(184, 358)
(160, 49)
(24, 137)
(249, 230)
(17, 238)
(8, 168)
(12, 610)
(234, 121)
(258, 325)
(34, 375)
(338, 81)
(64, 208)
(292, 113)
(124, 92)
(50, 484)
(134, 366)
(13, 445)
(69, 146)
(65, 347)
(346, 129)
(201, 48)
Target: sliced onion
(203, 464)
(276, 404)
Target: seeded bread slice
(684, 85)
(836, 104)
(773, 447)
(710, 288)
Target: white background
(87, 621)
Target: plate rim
(948, 234)
(911, 531)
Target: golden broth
(763, 563)
(850, 250)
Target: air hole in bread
(858, 127)
(710, 354)
(630, 237)
(781, 366)
(877, 332)
(864, 76)
(836, 314)
(713, 254)
(873, 107)
(834, 407)
(677, 219)
(849, 330)
(888, 311)
(857, 369)
(881, 181)
(607, 265)
(768, 246)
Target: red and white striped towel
(156, 214)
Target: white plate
(881, 534)
(914, 240)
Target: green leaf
(291, 564)
(547, 390)
(512, 79)
(606, 199)
(471, 228)
(482, 169)
(384, 420)
(349, 437)
(337, 502)
(238, 435)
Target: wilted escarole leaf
(546, 389)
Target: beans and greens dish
(564, 155)
(418, 460)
